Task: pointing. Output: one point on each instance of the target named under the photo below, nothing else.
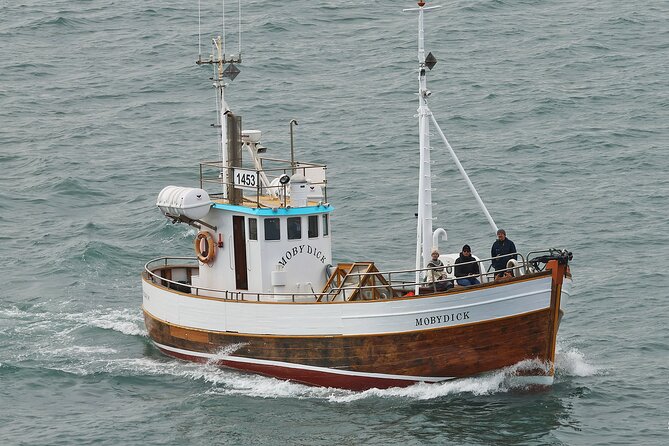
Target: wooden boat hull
(362, 362)
(478, 336)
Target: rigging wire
(223, 6)
(239, 26)
(199, 31)
(239, 2)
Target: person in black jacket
(502, 250)
(468, 269)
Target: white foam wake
(124, 321)
(230, 382)
(569, 361)
(42, 319)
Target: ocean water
(558, 110)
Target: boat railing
(157, 272)
(513, 265)
(405, 279)
(390, 284)
(164, 264)
(264, 182)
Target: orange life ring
(205, 248)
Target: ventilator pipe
(439, 233)
(292, 148)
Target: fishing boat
(263, 295)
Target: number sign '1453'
(245, 179)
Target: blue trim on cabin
(271, 212)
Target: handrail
(449, 267)
(235, 295)
(238, 295)
(285, 167)
(396, 284)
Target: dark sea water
(558, 110)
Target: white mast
(424, 229)
(424, 234)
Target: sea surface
(559, 111)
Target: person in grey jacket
(437, 276)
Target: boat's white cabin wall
(282, 252)
(297, 262)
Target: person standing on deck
(502, 250)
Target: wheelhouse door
(239, 239)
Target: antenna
(199, 31)
(218, 58)
(239, 27)
(223, 20)
(223, 32)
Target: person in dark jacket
(466, 270)
(502, 250)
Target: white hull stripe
(290, 365)
(357, 318)
(454, 307)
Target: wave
(125, 321)
(76, 187)
(79, 350)
(572, 362)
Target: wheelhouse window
(312, 230)
(272, 229)
(326, 227)
(294, 228)
(253, 229)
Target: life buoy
(515, 267)
(205, 248)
